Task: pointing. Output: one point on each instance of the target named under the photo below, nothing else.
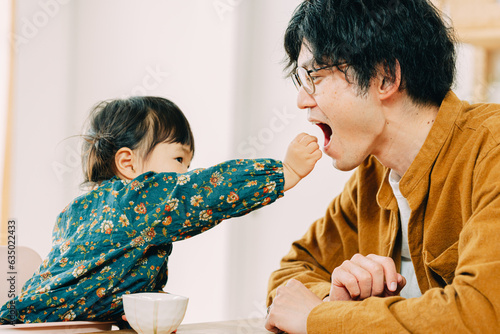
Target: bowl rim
(153, 296)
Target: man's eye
(315, 78)
(179, 159)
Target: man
(423, 206)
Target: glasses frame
(298, 83)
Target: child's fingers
(312, 146)
(317, 154)
(306, 139)
(300, 137)
(309, 145)
(313, 143)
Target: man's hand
(365, 276)
(301, 156)
(290, 308)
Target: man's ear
(387, 85)
(126, 163)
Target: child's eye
(179, 159)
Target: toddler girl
(116, 239)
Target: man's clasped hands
(354, 280)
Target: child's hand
(301, 156)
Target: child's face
(168, 157)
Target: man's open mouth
(327, 131)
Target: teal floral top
(116, 239)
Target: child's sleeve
(178, 206)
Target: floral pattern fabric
(116, 239)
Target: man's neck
(407, 127)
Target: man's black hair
(371, 35)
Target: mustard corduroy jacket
(453, 189)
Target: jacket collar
(414, 183)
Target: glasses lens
(306, 80)
(295, 80)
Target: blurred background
(221, 62)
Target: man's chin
(338, 165)
(335, 164)
(334, 157)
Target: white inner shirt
(411, 289)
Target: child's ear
(126, 163)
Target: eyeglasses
(302, 77)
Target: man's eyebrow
(307, 64)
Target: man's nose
(305, 100)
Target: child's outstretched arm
(301, 156)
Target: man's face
(352, 122)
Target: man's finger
(372, 268)
(343, 277)
(338, 293)
(401, 283)
(390, 272)
(270, 326)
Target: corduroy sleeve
(328, 242)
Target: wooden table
(244, 326)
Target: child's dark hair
(137, 123)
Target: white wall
(5, 28)
(42, 111)
(221, 62)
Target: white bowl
(154, 313)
